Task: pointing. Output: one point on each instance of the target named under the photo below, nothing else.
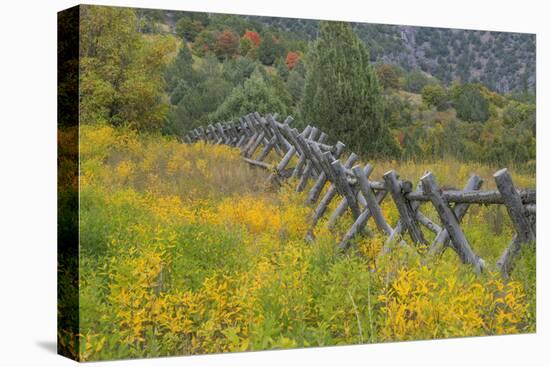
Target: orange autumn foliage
(253, 36)
(291, 59)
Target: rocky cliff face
(503, 61)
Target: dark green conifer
(342, 95)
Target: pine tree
(269, 49)
(188, 29)
(254, 95)
(181, 68)
(342, 95)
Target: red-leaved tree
(291, 59)
(253, 36)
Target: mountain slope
(503, 61)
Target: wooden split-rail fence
(257, 136)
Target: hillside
(503, 61)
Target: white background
(28, 181)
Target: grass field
(184, 250)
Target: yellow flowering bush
(433, 302)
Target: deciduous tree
(121, 72)
(434, 95)
(204, 43)
(388, 76)
(291, 59)
(227, 44)
(253, 36)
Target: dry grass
(414, 98)
(449, 172)
(166, 167)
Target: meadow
(185, 250)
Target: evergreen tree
(253, 95)
(181, 68)
(282, 69)
(238, 69)
(195, 105)
(295, 85)
(188, 29)
(280, 90)
(470, 104)
(416, 80)
(269, 49)
(342, 95)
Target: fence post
(442, 238)
(292, 135)
(252, 136)
(281, 141)
(322, 179)
(201, 133)
(307, 152)
(524, 231)
(224, 137)
(450, 222)
(281, 165)
(309, 166)
(289, 154)
(267, 148)
(213, 133)
(360, 223)
(312, 135)
(404, 207)
(327, 198)
(245, 129)
(370, 197)
(514, 205)
(341, 208)
(259, 139)
(345, 189)
(234, 132)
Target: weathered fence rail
(257, 136)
